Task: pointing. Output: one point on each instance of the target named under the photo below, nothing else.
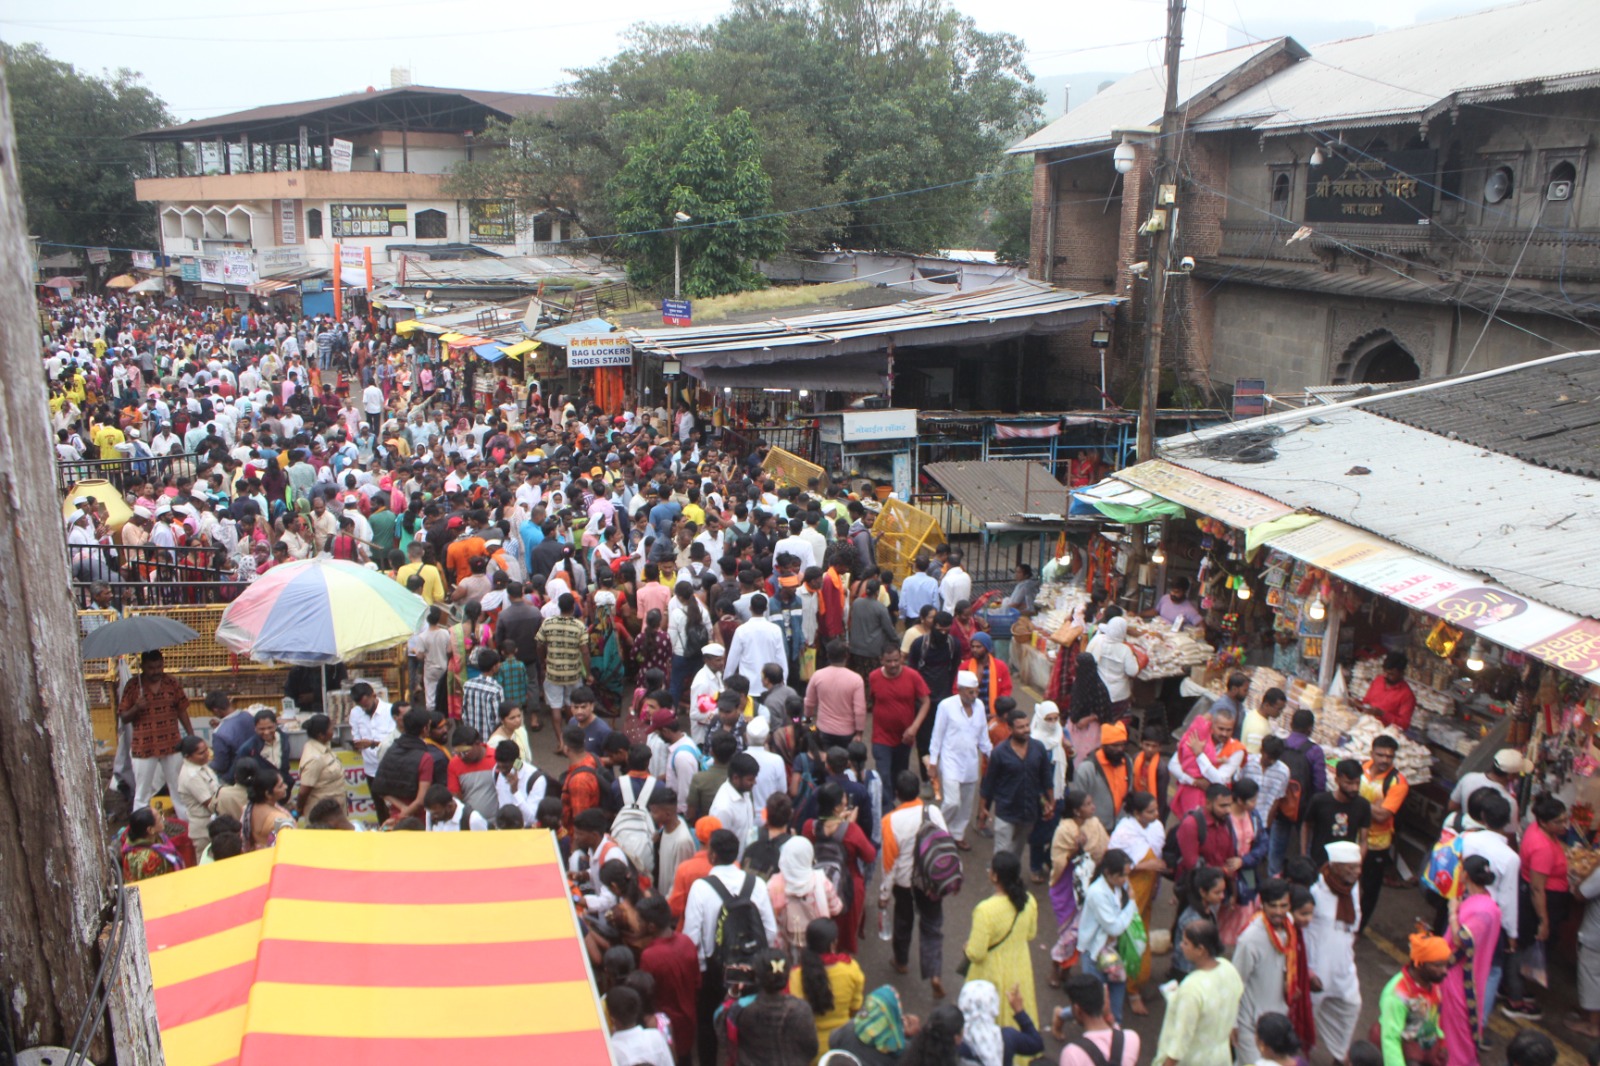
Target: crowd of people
(762, 740)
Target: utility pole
(53, 856)
(1161, 258)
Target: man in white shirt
(704, 690)
(704, 905)
(797, 545)
(755, 644)
(445, 815)
(773, 775)
(517, 784)
(683, 755)
(1508, 765)
(1486, 837)
(911, 907)
(371, 723)
(956, 585)
(1331, 948)
(372, 403)
(734, 805)
(960, 736)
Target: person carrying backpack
(633, 828)
(729, 917)
(921, 866)
(1308, 775)
(842, 852)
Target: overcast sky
(205, 62)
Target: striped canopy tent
(310, 951)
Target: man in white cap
(960, 737)
(1501, 775)
(773, 775)
(1331, 948)
(704, 689)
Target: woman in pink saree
(1473, 935)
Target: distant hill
(1084, 85)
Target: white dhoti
(956, 804)
(1336, 1023)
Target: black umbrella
(129, 636)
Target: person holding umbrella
(157, 707)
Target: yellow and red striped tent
(391, 949)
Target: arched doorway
(1376, 359)
(1385, 364)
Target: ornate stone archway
(1377, 356)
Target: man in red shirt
(1220, 848)
(674, 961)
(899, 700)
(1389, 696)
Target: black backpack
(740, 935)
(761, 858)
(831, 857)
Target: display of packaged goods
(1346, 733)
(1170, 654)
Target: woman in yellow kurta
(1003, 928)
(831, 983)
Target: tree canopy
(873, 119)
(73, 156)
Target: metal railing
(125, 594)
(990, 559)
(125, 472)
(146, 564)
(798, 440)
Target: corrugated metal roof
(937, 320)
(1406, 73)
(507, 104)
(525, 270)
(1529, 528)
(1137, 99)
(1002, 491)
(1547, 414)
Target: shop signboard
(676, 312)
(891, 424)
(288, 212)
(238, 269)
(367, 220)
(189, 269)
(144, 260)
(1379, 188)
(99, 255)
(271, 261)
(1238, 507)
(599, 349)
(341, 153)
(492, 221)
(901, 478)
(1464, 600)
(211, 269)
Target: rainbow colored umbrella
(319, 611)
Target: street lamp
(678, 219)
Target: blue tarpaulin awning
(561, 334)
(490, 353)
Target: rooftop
(417, 107)
(1000, 492)
(1434, 486)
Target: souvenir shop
(1313, 606)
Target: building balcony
(1552, 254)
(294, 185)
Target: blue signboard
(675, 312)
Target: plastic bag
(1131, 945)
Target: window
(1281, 190)
(431, 224)
(313, 223)
(541, 228)
(1280, 194)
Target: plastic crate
(901, 531)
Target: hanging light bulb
(1474, 658)
(1123, 156)
(1317, 610)
(1244, 589)
(1317, 158)
(1159, 556)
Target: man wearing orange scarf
(1271, 959)
(1408, 1011)
(1106, 776)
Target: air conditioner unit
(1558, 190)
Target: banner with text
(599, 349)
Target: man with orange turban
(1105, 776)
(1408, 1011)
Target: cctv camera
(1186, 264)
(1139, 269)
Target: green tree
(685, 158)
(76, 164)
(874, 117)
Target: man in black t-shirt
(1338, 815)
